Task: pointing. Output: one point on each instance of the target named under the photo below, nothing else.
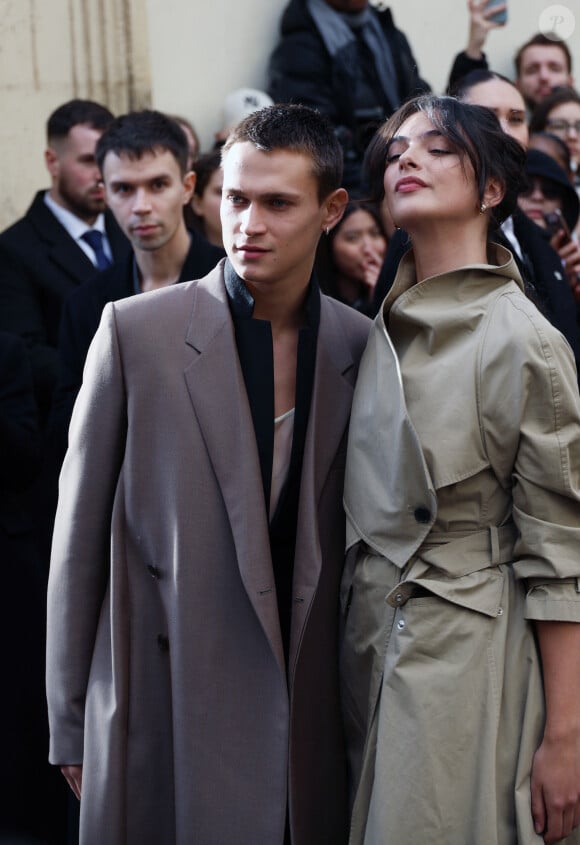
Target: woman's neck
(439, 252)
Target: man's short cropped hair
(75, 113)
(298, 129)
(543, 41)
(140, 132)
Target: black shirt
(255, 351)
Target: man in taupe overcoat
(198, 547)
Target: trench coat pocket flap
(479, 591)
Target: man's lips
(144, 228)
(251, 250)
(408, 184)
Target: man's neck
(162, 267)
(56, 198)
(283, 308)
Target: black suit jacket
(39, 265)
(82, 314)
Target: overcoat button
(401, 625)
(153, 571)
(163, 643)
(422, 514)
(399, 598)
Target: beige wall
(438, 29)
(181, 56)
(50, 52)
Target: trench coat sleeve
(80, 559)
(530, 421)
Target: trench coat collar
(217, 391)
(504, 267)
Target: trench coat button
(153, 571)
(162, 643)
(422, 514)
(401, 625)
(399, 598)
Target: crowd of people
(290, 507)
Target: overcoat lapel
(329, 412)
(218, 394)
(63, 251)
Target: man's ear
(52, 162)
(334, 206)
(189, 186)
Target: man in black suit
(143, 158)
(47, 253)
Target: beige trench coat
(463, 521)
(166, 674)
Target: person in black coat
(43, 256)
(32, 800)
(143, 157)
(348, 60)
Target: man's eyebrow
(267, 195)
(128, 180)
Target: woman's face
(358, 245)
(564, 121)
(506, 102)
(208, 204)
(426, 180)
(541, 197)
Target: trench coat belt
(446, 557)
(458, 553)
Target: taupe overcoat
(166, 674)
(462, 494)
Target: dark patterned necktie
(94, 238)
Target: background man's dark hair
(543, 41)
(74, 113)
(299, 129)
(139, 132)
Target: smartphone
(555, 222)
(498, 17)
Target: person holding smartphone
(550, 200)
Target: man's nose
(251, 219)
(141, 202)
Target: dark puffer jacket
(303, 71)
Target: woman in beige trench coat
(461, 592)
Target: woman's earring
(482, 208)
(327, 231)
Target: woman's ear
(494, 192)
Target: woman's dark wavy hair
(474, 131)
